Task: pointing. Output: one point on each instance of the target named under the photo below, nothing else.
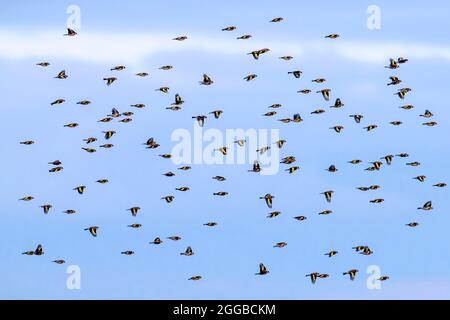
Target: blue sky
(227, 256)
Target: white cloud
(132, 48)
(381, 52)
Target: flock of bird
(206, 80)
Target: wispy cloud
(132, 48)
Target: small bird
(135, 225)
(356, 161)
(371, 127)
(168, 199)
(57, 101)
(273, 214)
(183, 189)
(392, 64)
(269, 199)
(156, 241)
(61, 75)
(174, 238)
(394, 81)
(178, 100)
(206, 80)
(325, 212)
(134, 210)
(103, 181)
(168, 67)
(331, 253)
(27, 198)
(250, 77)
(332, 168)
(296, 74)
(304, 91)
(262, 270)
(142, 74)
(200, 119)
(337, 104)
(328, 195)
(180, 38)
(256, 53)
(70, 211)
(357, 117)
(288, 160)
(110, 80)
(163, 89)
(43, 64)
(108, 134)
(219, 178)
(297, 118)
(80, 189)
(427, 206)
(92, 230)
(351, 273)
(188, 252)
(403, 155)
(151, 143)
(84, 102)
(313, 276)
(70, 32)
(71, 125)
(195, 278)
(230, 28)
(280, 245)
(293, 169)
(427, 114)
(366, 251)
(278, 19)
(377, 165)
(27, 143)
(420, 178)
(359, 248)
(263, 150)
(216, 113)
(377, 201)
(333, 36)
(280, 143)
(127, 253)
(46, 208)
(300, 218)
(412, 224)
(210, 224)
(383, 278)
(256, 167)
(38, 251)
(338, 129)
(402, 60)
(220, 193)
(244, 37)
(287, 58)
(440, 185)
(59, 261)
(105, 120)
(325, 93)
